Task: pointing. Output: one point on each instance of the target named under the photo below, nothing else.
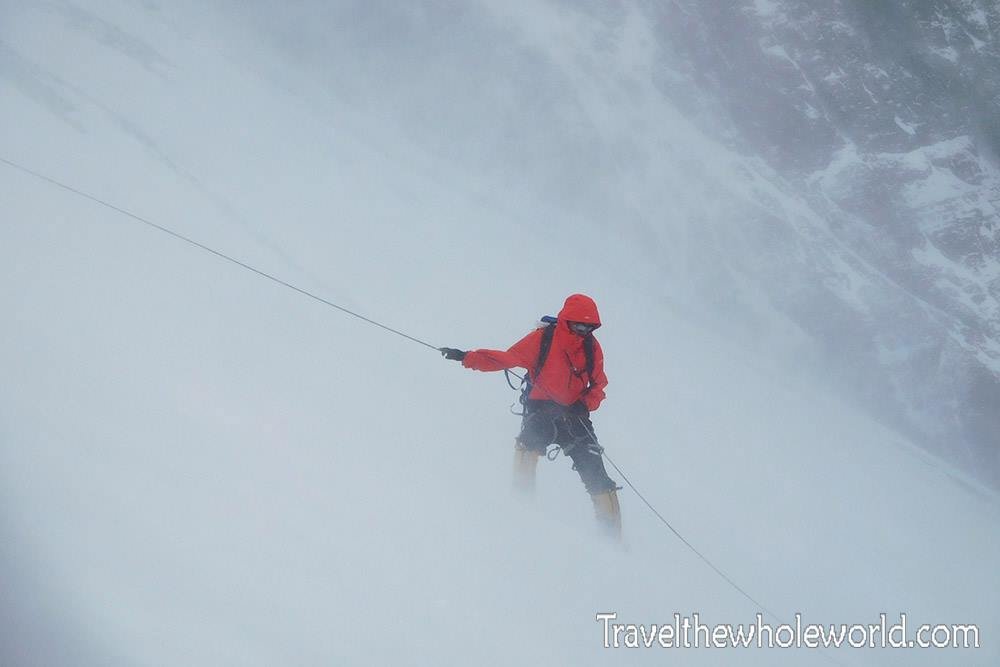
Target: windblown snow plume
(786, 211)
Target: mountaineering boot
(525, 463)
(608, 513)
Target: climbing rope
(213, 251)
(551, 455)
(670, 526)
(684, 540)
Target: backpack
(548, 330)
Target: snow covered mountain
(884, 120)
(200, 467)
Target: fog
(199, 466)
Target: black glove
(451, 353)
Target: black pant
(548, 422)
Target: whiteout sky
(199, 467)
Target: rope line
(206, 248)
(676, 533)
(690, 546)
(725, 577)
(705, 559)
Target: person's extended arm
(522, 354)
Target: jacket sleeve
(598, 381)
(522, 354)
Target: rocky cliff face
(884, 119)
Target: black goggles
(582, 328)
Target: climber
(565, 382)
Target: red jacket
(564, 375)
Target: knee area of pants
(535, 447)
(598, 488)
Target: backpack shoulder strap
(543, 349)
(588, 351)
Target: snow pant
(547, 422)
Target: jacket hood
(580, 308)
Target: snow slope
(199, 467)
